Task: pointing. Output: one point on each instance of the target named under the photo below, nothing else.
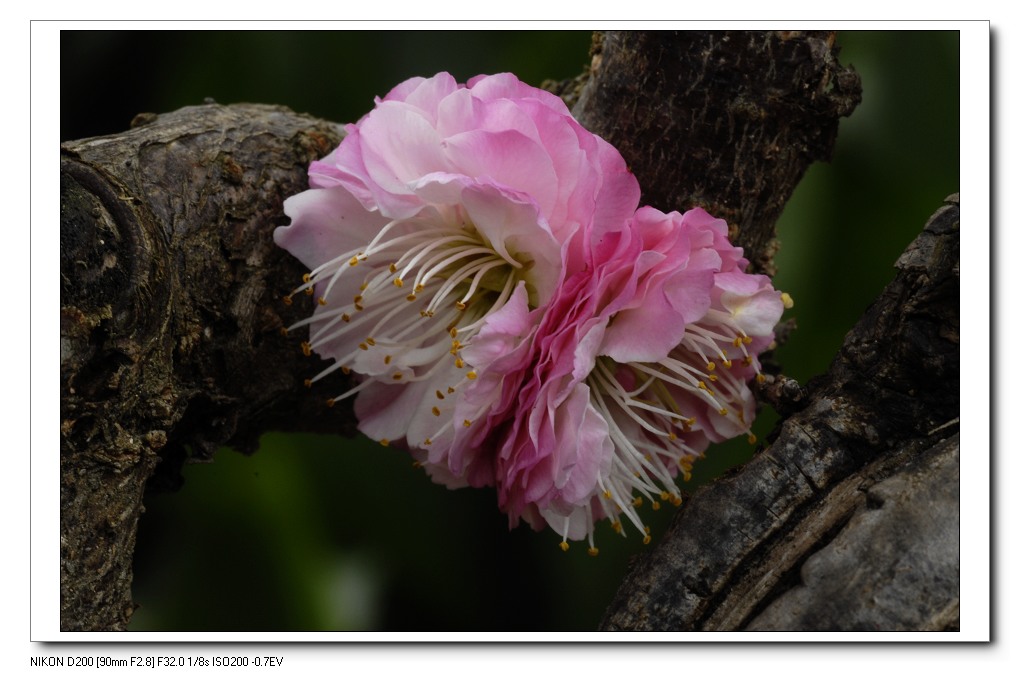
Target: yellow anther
(676, 500)
(359, 298)
(710, 366)
(608, 495)
(352, 262)
(453, 332)
(467, 423)
(435, 411)
(363, 346)
(415, 464)
(345, 370)
(723, 412)
(398, 282)
(428, 441)
(702, 386)
(287, 300)
(418, 288)
(384, 442)
(564, 546)
(647, 539)
(472, 375)
(593, 551)
(637, 501)
(455, 346)
(713, 377)
(386, 360)
(450, 389)
(787, 300)
(655, 505)
(747, 361)
(617, 526)
(345, 317)
(393, 268)
(330, 402)
(738, 341)
(306, 278)
(459, 363)
(364, 285)
(309, 291)
(747, 340)
(283, 331)
(760, 378)
(691, 421)
(665, 495)
(412, 297)
(752, 439)
(423, 313)
(369, 340)
(359, 307)
(397, 376)
(672, 436)
(727, 364)
(308, 383)
(306, 348)
(461, 305)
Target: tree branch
(729, 121)
(170, 321)
(850, 519)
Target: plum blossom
(511, 317)
(442, 206)
(605, 396)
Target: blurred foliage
(319, 533)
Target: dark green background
(318, 533)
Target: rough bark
(726, 121)
(849, 520)
(170, 321)
(171, 286)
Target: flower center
(399, 308)
(653, 411)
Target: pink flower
(444, 206)
(512, 321)
(608, 393)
